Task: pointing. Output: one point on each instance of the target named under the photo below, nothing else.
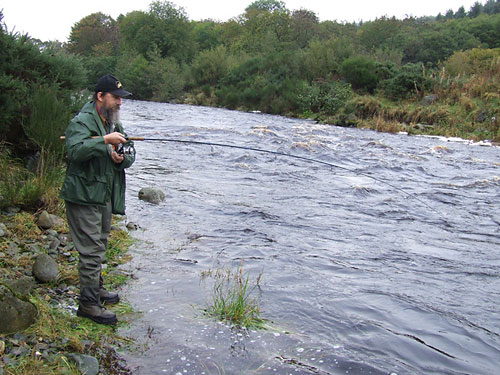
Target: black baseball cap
(111, 84)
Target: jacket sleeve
(80, 144)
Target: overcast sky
(53, 19)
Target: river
(386, 264)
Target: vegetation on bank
(47, 345)
(368, 74)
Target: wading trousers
(89, 227)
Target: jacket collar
(91, 108)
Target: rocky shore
(39, 331)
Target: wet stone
(86, 364)
(51, 233)
(55, 244)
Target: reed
(232, 299)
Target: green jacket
(92, 178)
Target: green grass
(232, 299)
(59, 327)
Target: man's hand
(116, 158)
(114, 138)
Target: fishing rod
(279, 153)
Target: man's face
(111, 102)
(110, 105)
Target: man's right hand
(114, 138)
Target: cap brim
(121, 92)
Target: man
(94, 188)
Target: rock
(2, 347)
(54, 244)
(482, 116)
(86, 364)
(11, 211)
(45, 221)
(4, 232)
(151, 195)
(22, 286)
(45, 268)
(48, 221)
(428, 100)
(422, 127)
(132, 226)
(16, 314)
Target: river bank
(45, 336)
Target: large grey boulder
(151, 195)
(45, 269)
(17, 315)
(22, 286)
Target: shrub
(360, 72)
(406, 82)
(324, 97)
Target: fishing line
(278, 153)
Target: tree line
(269, 58)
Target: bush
(360, 72)
(406, 82)
(324, 97)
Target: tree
(305, 27)
(449, 14)
(475, 10)
(492, 7)
(165, 27)
(379, 33)
(266, 6)
(266, 27)
(460, 13)
(360, 72)
(207, 34)
(94, 35)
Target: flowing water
(395, 274)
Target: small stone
(52, 233)
(2, 347)
(132, 226)
(86, 364)
(3, 230)
(55, 244)
(45, 269)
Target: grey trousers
(89, 227)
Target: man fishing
(94, 189)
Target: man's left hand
(116, 158)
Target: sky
(53, 19)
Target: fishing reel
(125, 149)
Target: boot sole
(97, 319)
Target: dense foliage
(280, 61)
(269, 58)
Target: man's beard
(112, 115)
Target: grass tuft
(232, 299)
